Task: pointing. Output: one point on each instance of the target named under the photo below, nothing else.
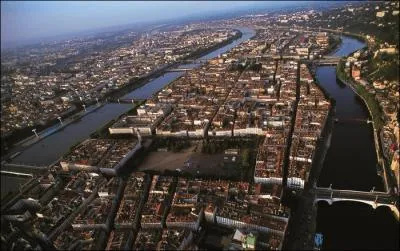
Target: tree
(213, 148)
(245, 158)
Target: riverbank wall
(303, 223)
(378, 150)
(308, 212)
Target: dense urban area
(217, 158)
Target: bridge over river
(178, 69)
(327, 60)
(373, 198)
(195, 61)
(125, 100)
(324, 60)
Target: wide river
(350, 164)
(51, 148)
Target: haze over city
(34, 20)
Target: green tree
(245, 158)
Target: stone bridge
(195, 61)
(125, 100)
(325, 60)
(372, 198)
(178, 69)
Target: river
(155, 85)
(350, 164)
(51, 148)
(351, 160)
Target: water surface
(350, 163)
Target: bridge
(331, 57)
(125, 100)
(355, 120)
(26, 168)
(27, 175)
(178, 69)
(17, 166)
(372, 198)
(195, 61)
(325, 60)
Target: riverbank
(379, 151)
(369, 100)
(359, 37)
(135, 83)
(334, 44)
(31, 140)
(303, 220)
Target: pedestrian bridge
(372, 198)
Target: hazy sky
(36, 19)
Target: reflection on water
(348, 46)
(350, 225)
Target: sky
(29, 20)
